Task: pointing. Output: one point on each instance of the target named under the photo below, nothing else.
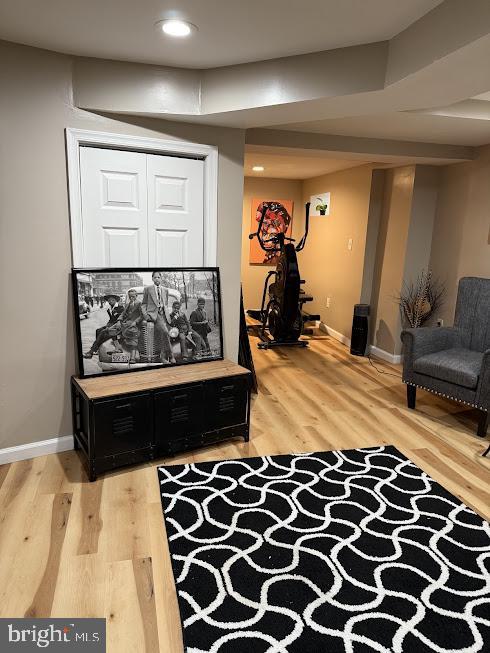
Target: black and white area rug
(342, 551)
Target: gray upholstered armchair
(454, 362)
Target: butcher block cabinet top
(101, 387)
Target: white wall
(37, 334)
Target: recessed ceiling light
(175, 27)
(258, 168)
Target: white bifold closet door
(140, 209)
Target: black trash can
(360, 330)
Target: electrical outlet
(440, 322)
(349, 244)
(328, 302)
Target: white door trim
(208, 153)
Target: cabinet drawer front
(179, 413)
(226, 401)
(123, 424)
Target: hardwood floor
(70, 548)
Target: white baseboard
(34, 449)
(396, 359)
(335, 334)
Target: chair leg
(483, 421)
(411, 395)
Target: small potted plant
(322, 207)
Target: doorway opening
(331, 186)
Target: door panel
(171, 247)
(175, 211)
(119, 189)
(121, 245)
(171, 194)
(114, 208)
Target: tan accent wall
(329, 267)
(37, 332)
(253, 276)
(461, 240)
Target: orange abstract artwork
(278, 219)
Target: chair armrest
(483, 389)
(426, 340)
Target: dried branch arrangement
(420, 299)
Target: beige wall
(461, 240)
(392, 242)
(404, 243)
(330, 269)
(253, 276)
(422, 217)
(376, 199)
(37, 326)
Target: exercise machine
(281, 315)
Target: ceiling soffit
(422, 69)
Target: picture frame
(319, 205)
(124, 323)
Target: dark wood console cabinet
(123, 419)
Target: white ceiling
(230, 31)
(293, 166)
(403, 126)
(483, 96)
(297, 163)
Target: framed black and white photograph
(132, 319)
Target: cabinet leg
(411, 396)
(483, 421)
(76, 445)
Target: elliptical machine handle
(302, 242)
(259, 228)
